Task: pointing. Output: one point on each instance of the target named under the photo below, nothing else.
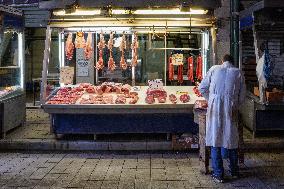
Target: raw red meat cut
(69, 47)
(190, 69)
(122, 48)
(111, 63)
(196, 91)
(134, 47)
(156, 93)
(88, 49)
(120, 99)
(134, 99)
(184, 98)
(199, 68)
(101, 46)
(173, 98)
(150, 99)
(180, 74)
(171, 69)
(162, 99)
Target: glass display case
(12, 95)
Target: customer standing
(224, 89)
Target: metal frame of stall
(93, 119)
(256, 115)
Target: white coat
(224, 89)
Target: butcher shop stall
(12, 96)
(126, 68)
(262, 63)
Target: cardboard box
(274, 96)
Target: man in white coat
(224, 89)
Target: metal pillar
(234, 23)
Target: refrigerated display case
(12, 95)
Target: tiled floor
(125, 171)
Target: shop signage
(177, 59)
(82, 68)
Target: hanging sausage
(180, 74)
(199, 68)
(190, 69)
(111, 63)
(122, 48)
(134, 47)
(171, 69)
(69, 47)
(88, 49)
(101, 46)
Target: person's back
(224, 89)
(226, 82)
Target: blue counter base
(127, 123)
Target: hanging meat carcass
(111, 63)
(69, 47)
(190, 69)
(199, 68)
(180, 74)
(122, 48)
(171, 69)
(134, 47)
(80, 40)
(88, 49)
(101, 46)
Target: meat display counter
(12, 110)
(167, 117)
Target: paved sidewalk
(131, 171)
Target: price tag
(155, 84)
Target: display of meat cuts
(180, 74)
(69, 47)
(190, 69)
(162, 99)
(80, 40)
(101, 46)
(89, 49)
(173, 98)
(184, 98)
(65, 96)
(201, 104)
(111, 63)
(156, 92)
(199, 68)
(171, 69)
(150, 99)
(134, 47)
(134, 99)
(196, 91)
(122, 48)
(120, 99)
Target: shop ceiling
(161, 13)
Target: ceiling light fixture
(77, 12)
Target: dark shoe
(217, 178)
